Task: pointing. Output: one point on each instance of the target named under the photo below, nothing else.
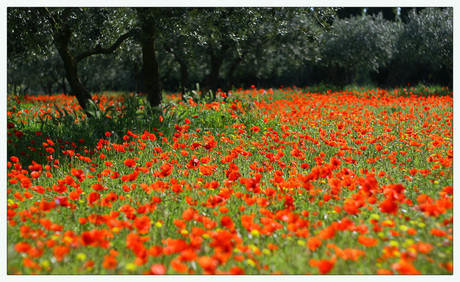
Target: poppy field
(260, 181)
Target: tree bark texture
(61, 41)
(216, 63)
(183, 77)
(61, 35)
(231, 71)
(150, 68)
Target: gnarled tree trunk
(61, 40)
(231, 71)
(61, 35)
(216, 63)
(217, 57)
(150, 66)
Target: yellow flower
(388, 221)
(394, 243)
(131, 266)
(408, 243)
(253, 247)
(81, 256)
(251, 262)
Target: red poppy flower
(99, 187)
(129, 163)
(404, 267)
(324, 266)
(158, 269)
(367, 241)
(109, 262)
(78, 173)
(205, 170)
(389, 206)
(93, 197)
(313, 243)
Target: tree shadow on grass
(56, 136)
(61, 137)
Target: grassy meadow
(260, 181)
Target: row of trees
(82, 50)
(414, 46)
(79, 34)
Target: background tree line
(148, 50)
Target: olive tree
(234, 36)
(357, 45)
(76, 33)
(427, 41)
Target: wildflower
(22, 247)
(166, 170)
(59, 252)
(142, 224)
(177, 265)
(78, 173)
(98, 187)
(255, 128)
(324, 266)
(404, 267)
(389, 206)
(438, 232)
(227, 222)
(367, 241)
(415, 143)
(313, 243)
(129, 162)
(382, 271)
(205, 170)
(208, 264)
(158, 269)
(109, 262)
(93, 197)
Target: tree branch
(99, 50)
(47, 14)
